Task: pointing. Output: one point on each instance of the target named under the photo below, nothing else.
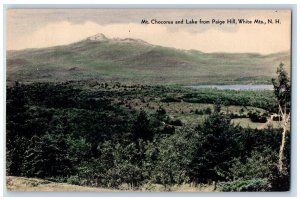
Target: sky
(37, 28)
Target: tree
(173, 156)
(216, 146)
(16, 107)
(142, 128)
(282, 91)
(217, 105)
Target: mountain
(136, 61)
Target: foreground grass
(22, 184)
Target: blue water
(256, 87)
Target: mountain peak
(98, 37)
(102, 37)
(130, 40)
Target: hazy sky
(34, 28)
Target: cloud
(245, 38)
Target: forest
(133, 137)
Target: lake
(256, 87)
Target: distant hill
(136, 61)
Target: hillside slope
(135, 61)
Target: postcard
(148, 100)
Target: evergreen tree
(16, 107)
(142, 128)
(211, 161)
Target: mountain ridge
(136, 61)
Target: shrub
(153, 187)
(74, 180)
(200, 112)
(252, 185)
(170, 100)
(169, 129)
(208, 110)
(256, 117)
(176, 122)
